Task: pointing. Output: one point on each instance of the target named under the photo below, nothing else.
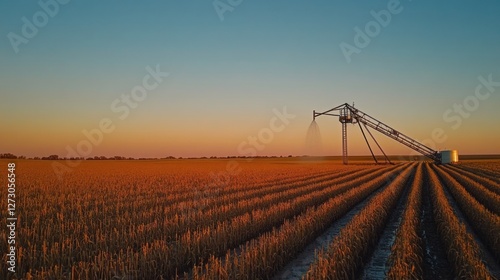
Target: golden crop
(194, 219)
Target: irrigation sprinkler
(348, 114)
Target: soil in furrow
(435, 265)
(487, 257)
(482, 172)
(297, 268)
(376, 266)
(483, 180)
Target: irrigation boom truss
(349, 114)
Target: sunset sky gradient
(226, 77)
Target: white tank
(449, 156)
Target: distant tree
(76, 158)
(8, 156)
(51, 157)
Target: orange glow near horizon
(187, 139)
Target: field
(259, 219)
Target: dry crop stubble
(167, 218)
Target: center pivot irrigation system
(349, 114)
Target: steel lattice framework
(348, 114)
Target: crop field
(279, 218)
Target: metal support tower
(344, 143)
(345, 118)
(349, 114)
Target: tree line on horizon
(56, 157)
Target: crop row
(216, 240)
(207, 217)
(486, 182)
(197, 243)
(155, 222)
(99, 236)
(406, 257)
(208, 197)
(483, 170)
(483, 195)
(462, 250)
(264, 256)
(345, 255)
(99, 208)
(486, 223)
(205, 193)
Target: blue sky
(227, 76)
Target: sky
(236, 77)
